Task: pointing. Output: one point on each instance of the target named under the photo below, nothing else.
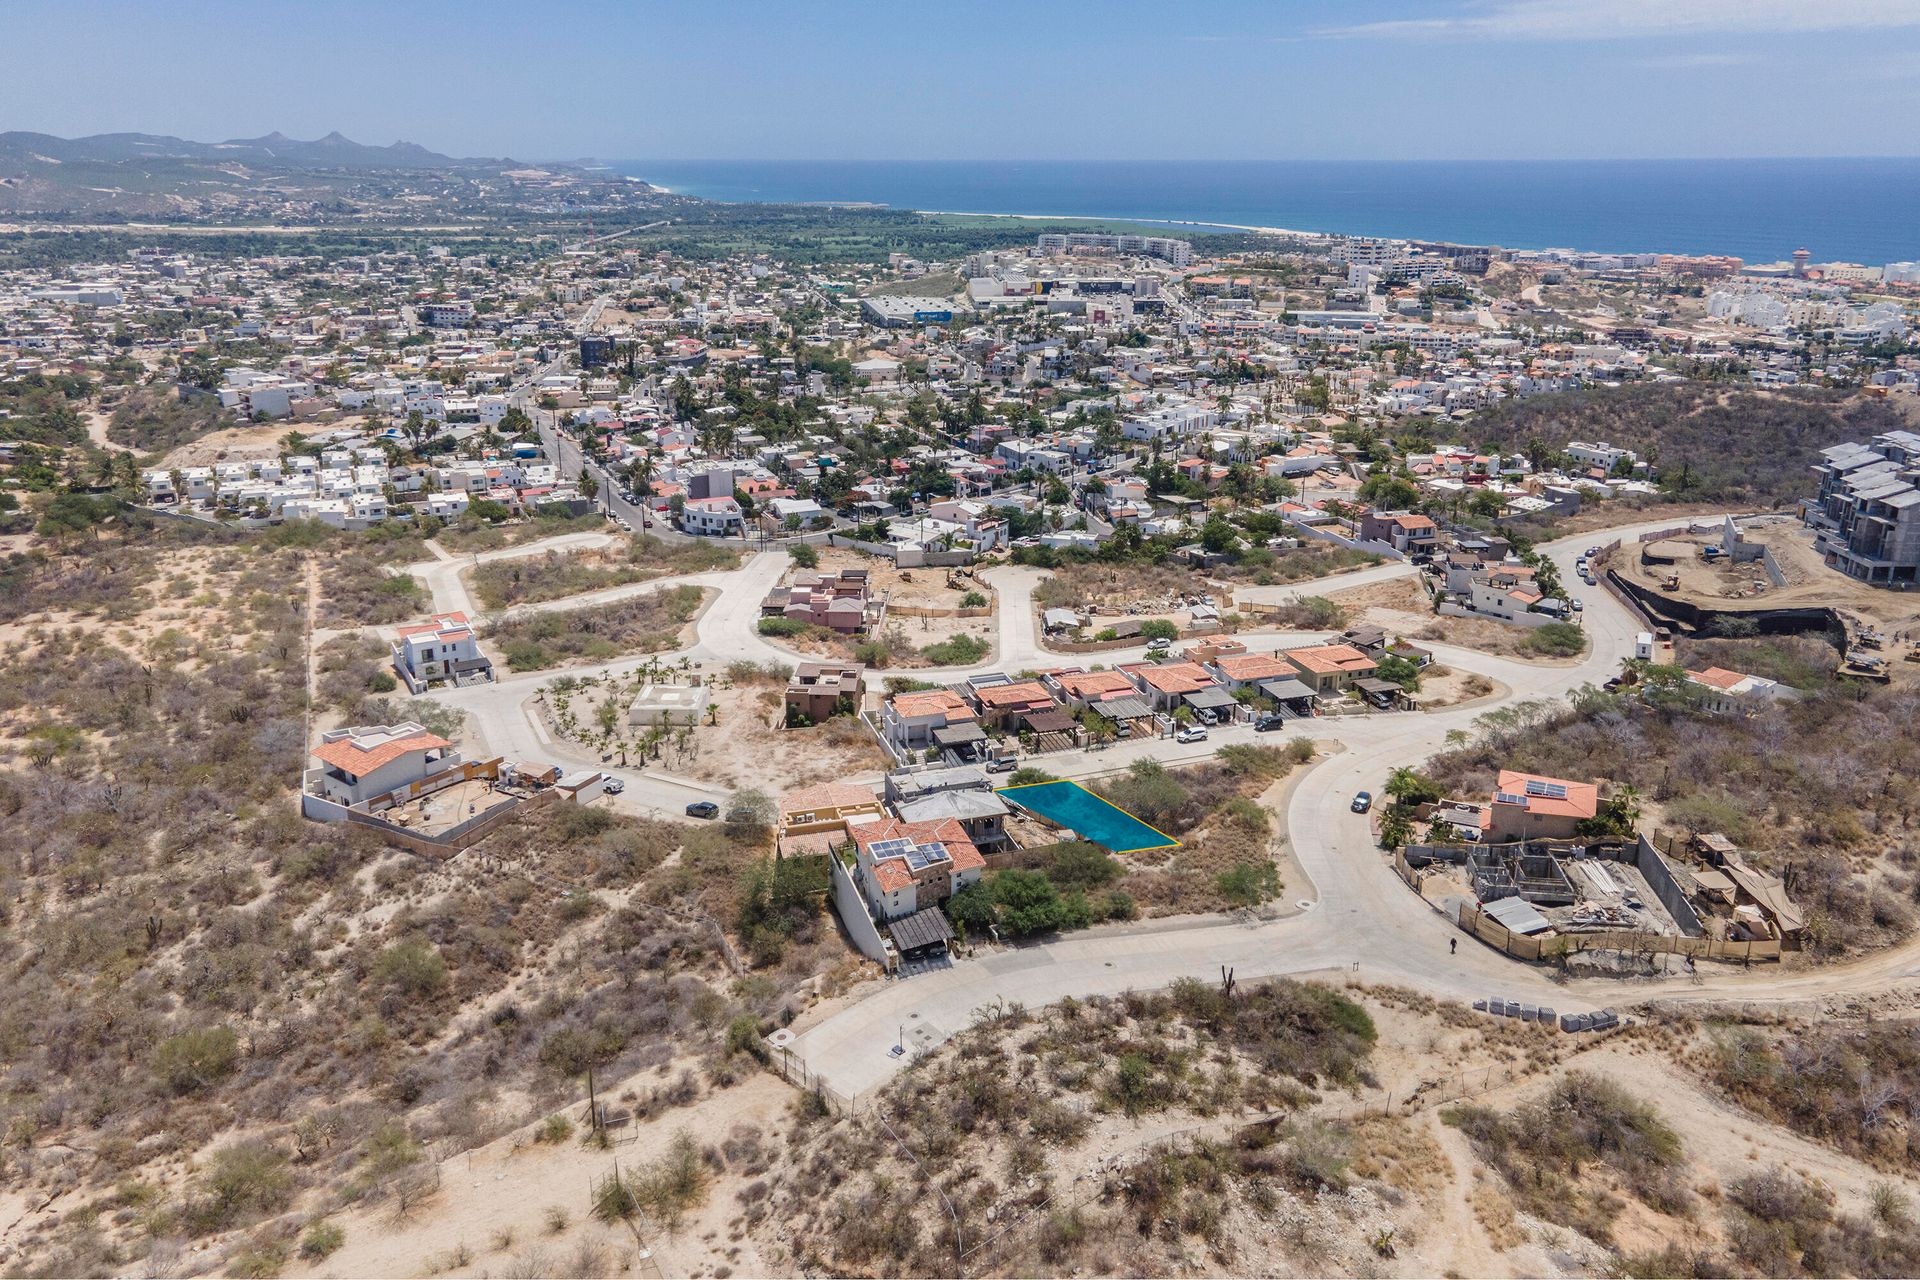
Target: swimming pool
(1088, 816)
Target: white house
(712, 517)
(361, 763)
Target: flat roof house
(816, 689)
(443, 648)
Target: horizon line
(1677, 159)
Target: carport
(920, 938)
(960, 743)
(1384, 694)
(1216, 700)
(1131, 710)
(1293, 697)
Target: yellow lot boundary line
(1171, 843)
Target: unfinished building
(1530, 872)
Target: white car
(1190, 733)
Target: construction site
(1539, 900)
(1763, 575)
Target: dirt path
(97, 431)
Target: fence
(453, 839)
(1490, 931)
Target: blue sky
(995, 79)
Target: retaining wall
(852, 906)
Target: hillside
(147, 175)
(1709, 443)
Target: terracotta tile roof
(1095, 684)
(347, 755)
(1026, 693)
(1176, 677)
(1718, 677)
(929, 702)
(452, 625)
(1252, 666)
(1326, 659)
(1582, 799)
(827, 795)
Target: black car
(1362, 801)
(703, 809)
(1268, 723)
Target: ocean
(1856, 210)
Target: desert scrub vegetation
(501, 584)
(645, 624)
(1548, 1151)
(1857, 1090)
(1224, 858)
(1710, 443)
(1024, 1095)
(1818, 790)
(152, 420)
(188, 960)
(1779, 1222)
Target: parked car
(1002, 764)
(1362, 801)
(1123, 730)
(1159, 644)
(1269, 722)
(1190, 733)
(1207, 715)
(1578, 607)
(614, 786)
(703, 809)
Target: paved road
(1360, 913)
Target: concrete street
(1357, 911)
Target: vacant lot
(501, 584)
(648, 623)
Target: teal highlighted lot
(1070, 805)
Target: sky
(986, 79)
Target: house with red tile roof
(1166, 684)
(1245, 670)
(909, 719)
(902, 867)
(1002, 704)
(1531, 806)
(1329, 668)
(362, 763)
(1080, 689)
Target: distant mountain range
(275, 150)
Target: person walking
(1453, 946)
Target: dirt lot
(735, 745)
(923, 588)
(1747, 586)
(244, 444)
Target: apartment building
(1866, 514)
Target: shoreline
(1145, 222)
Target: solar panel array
(918, 856)
(1551, 790)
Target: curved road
(1360, 914)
